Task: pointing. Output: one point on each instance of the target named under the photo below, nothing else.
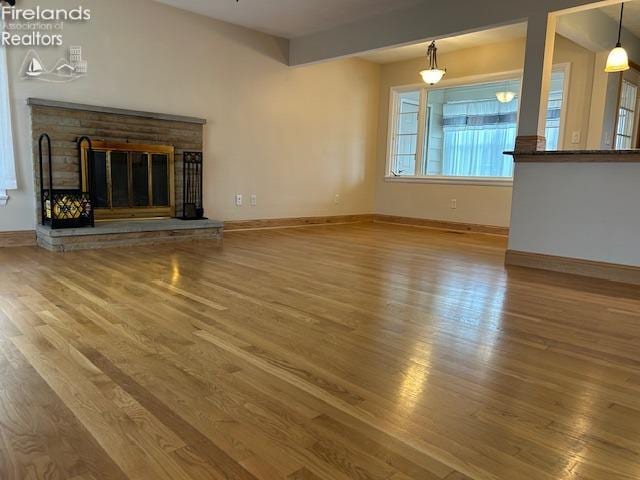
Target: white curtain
(7, 161)
(478, 152)
(476, 137)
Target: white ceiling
(469, 40)
(631, 19)
(290, 18)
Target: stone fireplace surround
(65, 122)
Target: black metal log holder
(62, 208)
(192, 208)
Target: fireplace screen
(130, 180)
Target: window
(408, 105)
(7, 166)
(626, 116)
(463, 130)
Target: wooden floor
(339, 352)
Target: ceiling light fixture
(505, 97)
(434, 74)
(618, 60)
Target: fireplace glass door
(130, 181)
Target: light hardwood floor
(335, 352)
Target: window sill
(479, 181)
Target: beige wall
(582, 63)
(604, 105)
(485, 205)
(295, 137)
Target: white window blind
(7, 161)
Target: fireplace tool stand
(61, 208)
(192, 208)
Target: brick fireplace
(66, 122)
(140, 157)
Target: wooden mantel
(577, 156)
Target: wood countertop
(577, 156)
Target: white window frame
(636, 120)
(418, 177)
(8, 179)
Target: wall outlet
(336, 198)
(575, 137)
(238, 200)
(254, 200)
(454, 204)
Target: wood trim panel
(576, 266)
(365, 218)
(442, 225)
(530, 143)
(104, 214)
(23, 238)
(132, 147)
(41, 102)
(613, 156)
(295, 222)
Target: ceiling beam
(428, 21)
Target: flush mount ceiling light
(434, 74)
(505, 97)
(618, 60)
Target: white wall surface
(579, 210)
(295, 137)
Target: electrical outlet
(336, 198)
(238, 200)
(254, 200)
(454, 204)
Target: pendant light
(505, 97)
(618, 60)
(434, 74)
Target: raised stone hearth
(125, 233)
